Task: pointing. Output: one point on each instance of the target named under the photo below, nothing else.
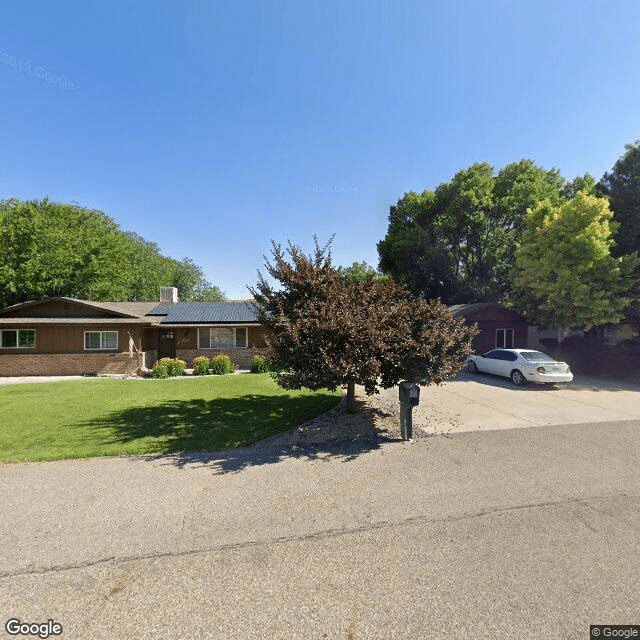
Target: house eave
(82, 303)
(6, 322)
(186, 325)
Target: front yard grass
(106, 417)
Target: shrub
(221, 364)
(200, 366)
(259, 365)
(174, 366)
(159, 370)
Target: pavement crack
(316, 535)
(608, 513)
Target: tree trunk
(351, 397)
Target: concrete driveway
(486, 402)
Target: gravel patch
(373, 421)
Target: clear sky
(213, 126)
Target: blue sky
(212, 127)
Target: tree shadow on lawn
(228, 435)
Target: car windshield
(536, 356)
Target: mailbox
(409, 393)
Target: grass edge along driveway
(107, 417)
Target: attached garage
(500, 328)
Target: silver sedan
(521, 365)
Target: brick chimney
(168, 296)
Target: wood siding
(70, 338)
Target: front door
(167, 346)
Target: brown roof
(466, 310)
(134, 308)
(6, 322)
(462, 309)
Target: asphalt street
(512, 533)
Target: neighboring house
(67, 336)
(500, 328)
(611, 334)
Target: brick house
(57, 336)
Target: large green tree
(329, 333)
(358, 272)
(57, 249)
(458, 242)
(564, 273)
(622, 187)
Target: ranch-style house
(66, 336)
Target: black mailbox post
(409, 397)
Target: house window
(504, 338)
(18, 339)
(222, 338)
(100, 340)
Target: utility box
(409, 393)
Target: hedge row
(202, 366)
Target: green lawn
(107, 417)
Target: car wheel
(471, 366)
(518, 378)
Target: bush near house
(221, 364)
(170, 366)
(201, 366)
(175, 366)
(259, 365)
(159, 370)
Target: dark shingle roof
(463, 309)
(208, 312)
